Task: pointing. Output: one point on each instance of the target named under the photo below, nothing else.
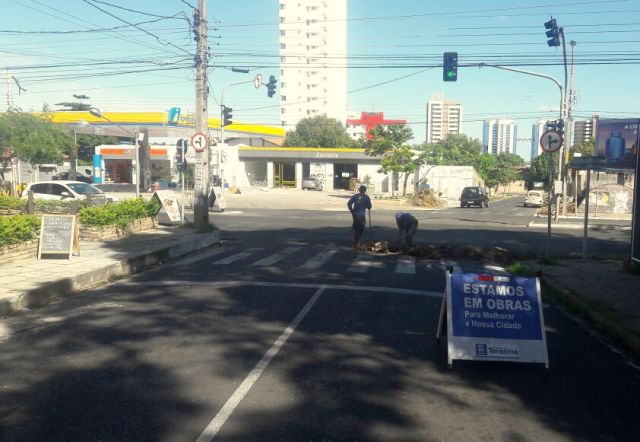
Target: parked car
(66, 176)
(474, 195)
(535, 198)
(312, 183)
(66, 191)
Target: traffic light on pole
(450, 66)
(181, 150)
(553, 33)
(271, 86)
(227, 116)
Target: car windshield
(470, 191)
(84, 189)
(534, 194)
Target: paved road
(505, 223)
(284, 333)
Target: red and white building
(358, 127)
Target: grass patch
(520, 269)
(548, 261)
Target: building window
(283, 98)
(281, 72)
(283, 33)
(281, 5)
(283, 111)
(283, 59)
(283, 85)
(281, 19)
(283, 46)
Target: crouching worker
(358, 205)
(407, 227)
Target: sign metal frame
(199, 141)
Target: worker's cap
(398, 215)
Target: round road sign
(551, 141)
(199, 141)
(257, 81)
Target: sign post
(550, 141)
(58, 235)
(494, 318)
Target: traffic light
(181, 150)
(553, 33)
(557, 125)
(450, 66)
(227, 116)
(271, 86)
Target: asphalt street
(286, 333)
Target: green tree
(88, 143)
(587, 148)
(540, 166)
(397, 156)
(456, 150)
(33, 139)
(507, 169)
(319, 131)
(75, 105)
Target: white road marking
(497, 269)
(406, 264)
(200, 257)
(456, 267)
(218, 421)
(362, 263)
(319, 260)
(238, 256)
(225, 284)
(271, 260)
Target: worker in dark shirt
(407, 227)
(358, 205)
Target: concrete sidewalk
(32, 283)
(600, 292)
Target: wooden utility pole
(201, 206)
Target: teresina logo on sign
(326, 155)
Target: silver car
(312, 183)
(65, 191)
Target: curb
(602, 323)
(596, 227)
(63, 288)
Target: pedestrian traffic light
(553, 33)
(450, 66)
(271, 86)
(226, 116)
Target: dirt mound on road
(426, 198)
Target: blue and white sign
(495, 318)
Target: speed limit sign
(199, 141)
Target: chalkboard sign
(58, 235)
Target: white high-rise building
(536, 132)
(313, 50)
(444, 117)
(500, 136)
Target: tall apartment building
(313, 50)
(537, 129)
(500, 136)
(584, 130)
(444, 117)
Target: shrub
(10, 202)
(18, 228)
(118, 214)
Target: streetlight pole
(557, 83)
(96, 113)
(73, 157)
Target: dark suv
(474, 195)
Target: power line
(137, 27)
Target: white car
(535, 198)
(66, 191)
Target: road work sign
(494, 318)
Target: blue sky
(403, 38)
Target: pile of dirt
(498, 255)
(426, 198)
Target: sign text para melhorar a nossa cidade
(495, 307)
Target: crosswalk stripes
(200, 257)
(271, 260)
(406, 265)
(238, 256)
(362, 263)
(318, 260)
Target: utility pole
(201, 206)
(7, 82)
(570, 101)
